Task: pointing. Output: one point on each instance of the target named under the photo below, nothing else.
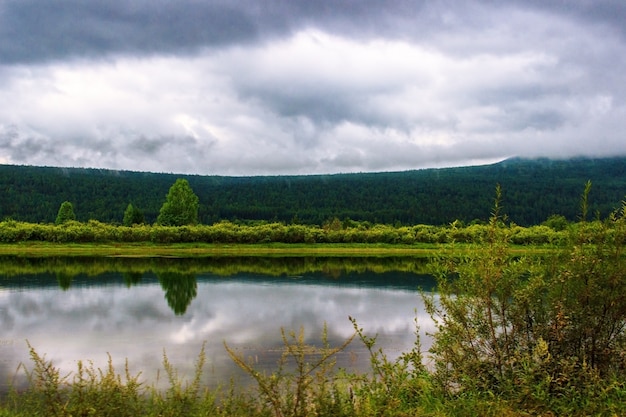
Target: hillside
(533, 190)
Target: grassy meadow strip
(194, 250)
(182, 250)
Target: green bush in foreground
(547, 335)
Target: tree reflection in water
(178, 276)
(64, 280)
(132, 278)
(180, 290)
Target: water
(139, 309)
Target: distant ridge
(533, 190)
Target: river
(140, 309)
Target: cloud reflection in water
(136, 323)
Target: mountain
(532, 191)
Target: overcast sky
(257, 87)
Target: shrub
(547, 335)
(303, 383)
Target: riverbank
(149, 249)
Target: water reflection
(179, 289)
(64, 280)
(132, 278)
(219, 265)
(136, 308)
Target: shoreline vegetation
(332, 236)
(514, 335)
(184, 250)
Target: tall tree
(180, 207)
(132, 215)
(66, 213)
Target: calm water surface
(70, 309)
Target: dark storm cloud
(41, 30)
(603, 12)
(295, 86)
(36, 30)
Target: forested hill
(532, 191)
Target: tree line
(177, 222)
(533, 191)
(179, 209)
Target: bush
(310, 388)
(546, 335)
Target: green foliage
(303, 383)
(588, 305)
(103, 392)
(132, 215)
(180, 207)
(66, 213)
(228, 232)
(393, 387)
(557, 222)
(536, 189)
(548, 334)
(91, 391)
(477, 327)
(180, 398)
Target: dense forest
(532, 191)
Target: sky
(277, 87)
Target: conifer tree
(66, 213)
(180, 207)
(132, 215)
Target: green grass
(304, 382)
(148, 249)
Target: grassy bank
(148, 249)
(182, 250)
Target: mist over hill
(532, 191)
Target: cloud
(287, 87)
(35, 30)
